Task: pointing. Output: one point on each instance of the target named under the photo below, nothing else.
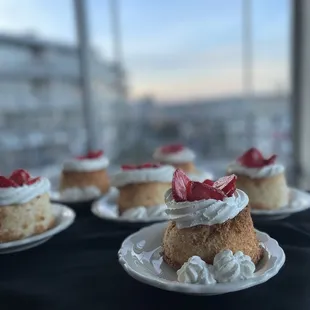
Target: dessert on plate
(85, 177)
(262, 179)
(180, 157)
(142, 186)
(206, 219)
(25, 207)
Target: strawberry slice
(208, 182)
(226, 184)
(149, 165)
(5, 182)
(252, 158)
(94, 154)
(179, 185)
(20, 176)
(172, 148)
(270, 160)
(32, 181)
(200, 191)
(128, 167)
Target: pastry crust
(97, 178)
(23, 220)
(265, 193)
(142, 194)
(205, 241)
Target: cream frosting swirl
(183, 156)
(145, 175)
(196, 271)
(205, 212)
(142, 212)
(229, 267)
(24, 193)
(263, 172)
(89, 164)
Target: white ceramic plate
(298, 201)
(106, 208)
(56, 197)
(64, 218)
(140, 257)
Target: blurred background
(130, 75)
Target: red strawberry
(20, 176)
(128, 167)
(148, 165)
(94, 154)
(208, 182)
(172, 148)
(5, 182)
(270, 160)
(32, 181)
(200, 191)
(226, 184)
(252, 158)
(179, 184)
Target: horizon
(165, 56)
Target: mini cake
(262, 179)
(85, 176)
(142, 185)
(207, 218)
(25, 207)
(180, 157)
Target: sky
(176, 49)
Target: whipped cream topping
(263, 172)
(89, 164)
(25, 193)
(183, 156)
(160, 174)
(205, 212)
(80, 193)
(145, 212)
(227, 267)
(196, 271)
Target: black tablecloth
(78, 269)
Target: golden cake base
(142, 194)
(80, 179)
(24, 220)
(205, 241)
(265, 193)
(188, 167)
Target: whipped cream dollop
(183, 156)
(227, 267)
(24, 193)
(87, 164)
(142, 212)
(80, 193)
(262, 172)
(161, 174)
(196, 271)
(206, 211)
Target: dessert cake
(180, 157)
(25, 207)
(85, 176)
(142, 185)
(206, 219)
(262, 179)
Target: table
(79, 269)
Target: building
(41, 117)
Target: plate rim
(196, 289)
(282, 210)
(46, 234)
